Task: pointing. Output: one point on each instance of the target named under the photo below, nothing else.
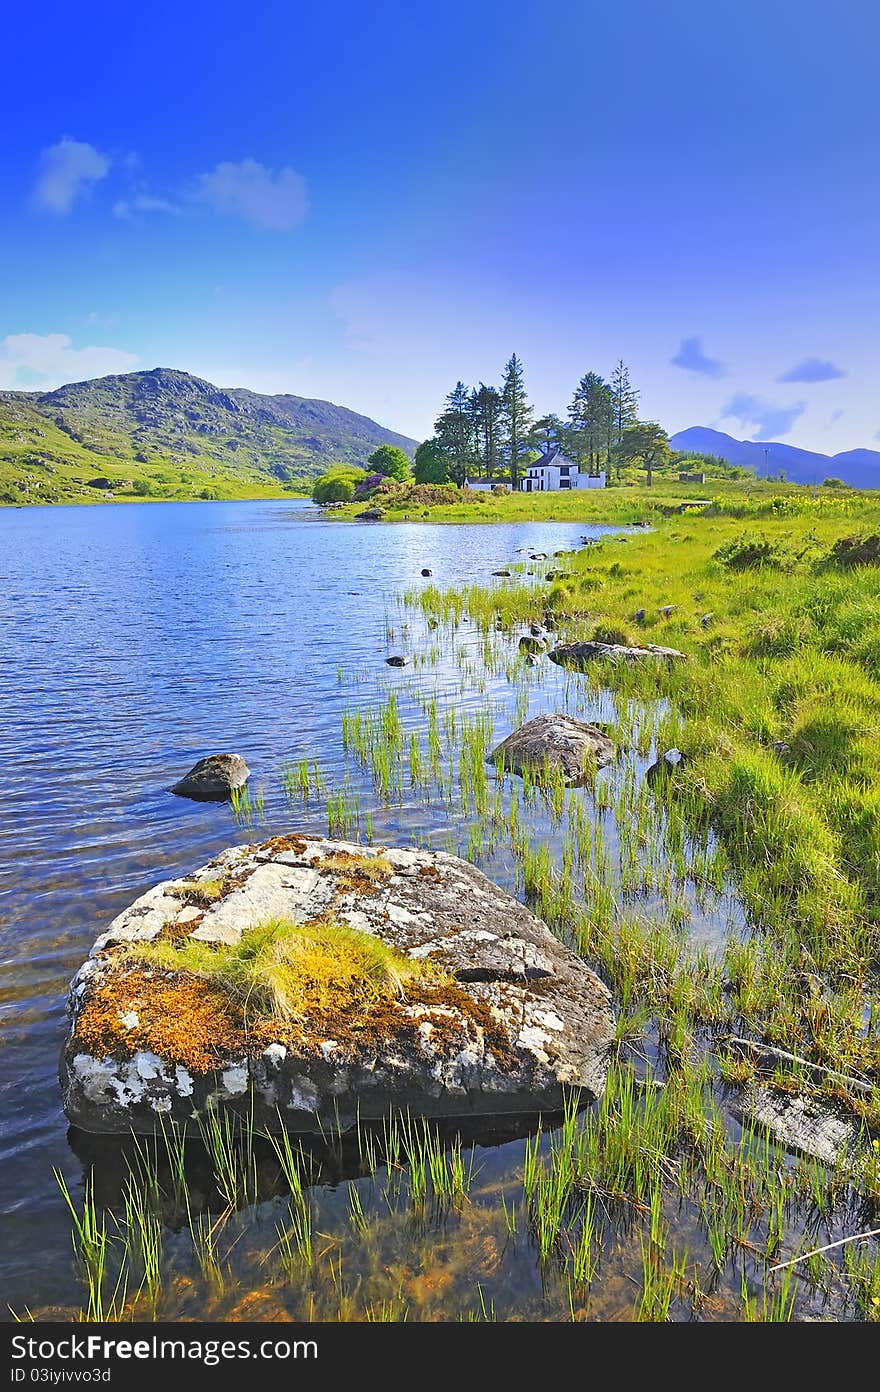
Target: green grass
(282, 970)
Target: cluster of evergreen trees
(487, 432)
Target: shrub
(751, 551)
(391, 462)
(856, 551)
(337, 485)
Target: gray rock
(372, 514)
(529, 643)
(705, 620)
(555, 741)
(537, 555)
(667, 610)
(425, 571)
(512, 1021)
(398, 660)
(558, 575)
(802, 1123)
(213, 779)
(501, 572)
(639, 616)
(579, 654)
(667, 763)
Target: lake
(134, 639)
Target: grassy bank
(629, 503)
(776, 712)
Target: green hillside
(166, 434)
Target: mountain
(860, 467)
(167, 433)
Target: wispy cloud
(44, 361)
(760, 418)
(812, 370)
(142, 203)
(67, 170)
(691, 357)
(250, 191)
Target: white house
(553, 470)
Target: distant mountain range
(172, 434)
(859, 467)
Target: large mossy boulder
(307, 982)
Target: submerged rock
(531, 643)
(213, 779)
(579, 654)
(667, 763)
(426, 571)
(802, 1123)
(555, 742)
(398, 660)
(493, 1017)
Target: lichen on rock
(473, 1006)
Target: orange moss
(181, 1018)
(293, 842)
(185, 1019)
(356, 873)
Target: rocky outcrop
(213, 779)
(580, 654)
(554, 742)
(501, 1020)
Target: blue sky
(367, 202)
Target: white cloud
(143, 203)
(67, 170)
(251, 191)
(44, 361)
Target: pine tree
(486, 408)
(454, 429)
(516, 416)
(590, 416)
(625, 400)
(548, 433)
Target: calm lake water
(133, 641)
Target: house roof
(554, 457)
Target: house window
(563, 469)
(565, 483)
